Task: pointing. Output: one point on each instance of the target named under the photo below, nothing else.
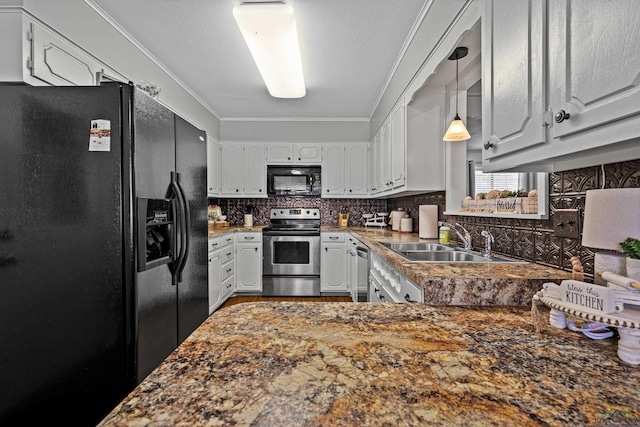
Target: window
(486, 182)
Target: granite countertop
(452, 283)
(356, 364)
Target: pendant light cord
(456, 87)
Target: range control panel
(295, 213)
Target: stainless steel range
(291, 249)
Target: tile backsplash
(329, 208)
(530, 240)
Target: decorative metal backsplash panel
(329, 208)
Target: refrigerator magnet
(100, 135)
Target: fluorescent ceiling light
(269, 29)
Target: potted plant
(631, 247)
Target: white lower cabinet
(386, 284)
(215, 288)
(352, 267)
(249, 262)
(220, 270)
(333, 271)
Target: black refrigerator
(103, 246)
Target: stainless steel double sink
(435, 252)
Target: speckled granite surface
(455, 283)
(373, 364)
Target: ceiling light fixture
(457, 131)
(269, 29)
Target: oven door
(291, 255)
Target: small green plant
(631, 247)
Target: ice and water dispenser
(155, 233)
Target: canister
(406, 225)
(445, 233)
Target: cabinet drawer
(227, 270)
(214, 244)
(227, 254)
(333, 237)
(226, 240)
(227, 287)
(248, 237)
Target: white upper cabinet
(213, 168)
(255, 170)
(356, 169)
(47, 58)
(513, 86)
(398, 163)
(594, 64)
(344, 170)
(575, 104)
(333, 170)
(232, 162)
(301, 153)
(308, 153)
(243, 170)
(280, 153)
(407, 153)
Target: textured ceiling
(349, 49)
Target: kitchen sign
(592, 298)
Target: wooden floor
(238, 299)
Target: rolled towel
(619, 280)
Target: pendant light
(457, 131)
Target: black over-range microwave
(293, 181)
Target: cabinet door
(280, 153)
(249, 267)
(594, 64)
(213, 168)
(232, 170)
(376, 176)
(398, 146)
(356, 169)
(333, 276)
(385, 156)
(60, 63)
(215, 290)
(255, 174)
(513, 70)
(333, 170)
(308, 153)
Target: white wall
(289, 130)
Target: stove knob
(281, 212)
(315, 213)
(307, 212)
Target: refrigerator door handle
(180, 231)
(186, 224)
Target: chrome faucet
(467, 236)
(487, 246)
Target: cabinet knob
(256, 249)
(488, 145)
(326, 249)
(561, 116)
(237, 190)
(327, 191)
(288, 158)
(260, 190)
(350, 191)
